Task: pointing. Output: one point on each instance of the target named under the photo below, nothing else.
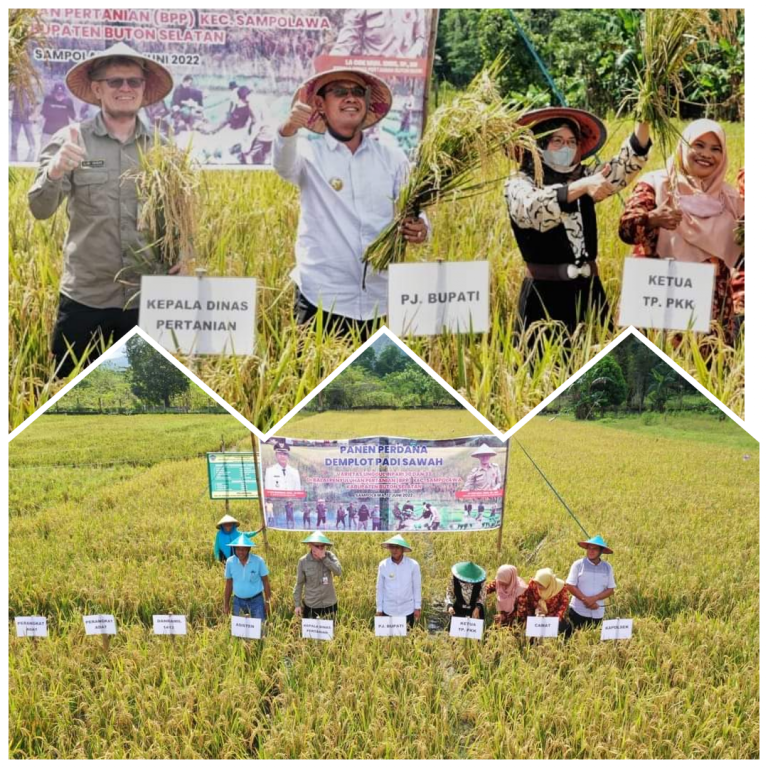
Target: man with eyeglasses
(85, 165)
(348, 185)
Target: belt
(252, 597)
(562, 272)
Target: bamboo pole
(258, 483)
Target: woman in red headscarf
(687, 212)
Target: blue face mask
(559, 158)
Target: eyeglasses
(558, 142)
(117, 82)
(340, 91)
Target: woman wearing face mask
(555, 223)
(687, 212)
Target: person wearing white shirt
(590, 581)
(398, 585)
(348, 184)
(281, 476)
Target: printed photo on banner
(384, 483)
(234, 71)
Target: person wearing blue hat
(590, 581)
(247, 577)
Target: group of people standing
(348, 183)
(577, 601)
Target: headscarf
(509, 586)
(711, 208)
(550, 586)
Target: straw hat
(597, 541)
(227, 519)
(379, 102)
(468, 572)
(484, 450)
(397, 541)
(592, 129)
(159, 80)
(317, 538)
(241, 541)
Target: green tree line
(631, 379)
(149, 383)
(590, 54)
(383, 378)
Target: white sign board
(250, 629)
(31, 626)
(391, 626)
(616, 629)
(200, 315)
(169, 624)
(317, 629)
(541, 626)
(673, 295)
(102, 624)
(469, 628)
(427, 299)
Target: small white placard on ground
(250, 629)
(469, 628)
(391, 626)
(541, 626)
(101, 624)
(317, 629)
(672, 295)
(169, 624)
(616, 629)
(200, 315)
(427, 299)
(31, 626)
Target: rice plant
(461, 138)
(135, 540)
(246, 226)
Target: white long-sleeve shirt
(398, 587)
(347, 199)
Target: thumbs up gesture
(301, 116)
(598, 186)
(71, 153)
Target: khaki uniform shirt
(484, 479)
(102, 240)
(316, 578)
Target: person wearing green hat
(465, 596)
(247, 577)
(398, 584)
(590, 581)
(314, 577)
(227, 531)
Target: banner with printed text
(384, 484)
(235, 72)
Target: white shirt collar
(334, 144)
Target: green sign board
(232, 476)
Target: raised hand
(71, 153)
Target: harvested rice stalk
(24, 31)
(167, 184)
(462, 137)
(668, 41)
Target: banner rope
(554, 490)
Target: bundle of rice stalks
(23, 32)
(167, 183)
(668, 41)
(461, 138)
